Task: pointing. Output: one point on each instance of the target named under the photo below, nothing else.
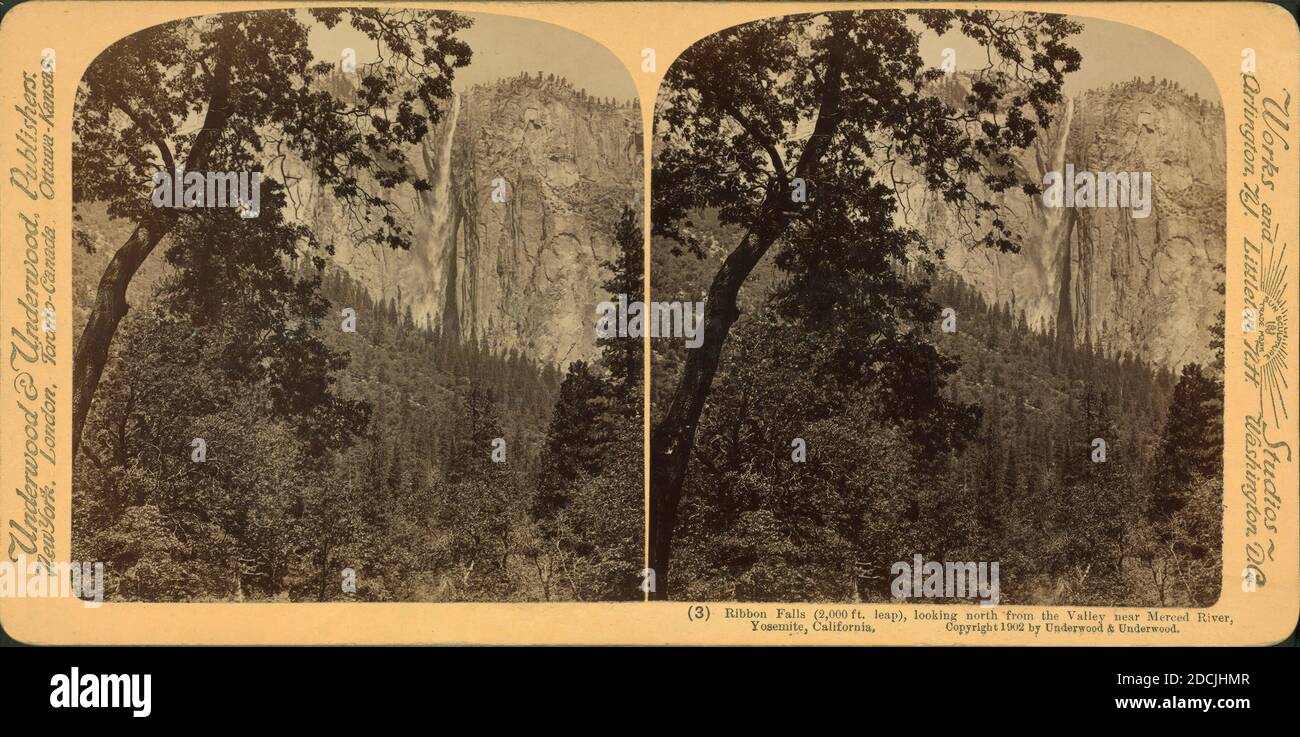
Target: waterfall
(438, 252)
(1054, 218)
(1058, 224)
(443, 186)
(1046, 250)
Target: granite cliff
(1122, 283)
(529, 176)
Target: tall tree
(585, 502)
(826, 103)
(1192, 443)
(620, 356)
(241, 92)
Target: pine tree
(576, 440)
(621, 356)
(1192, 443)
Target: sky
(504, 46)
(1112, 52)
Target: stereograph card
(649, 323)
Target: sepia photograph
(962, 332)
(335, 277)
(963, 285)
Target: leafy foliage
(138, 99)
(789, 129)
(329, 450)
(1021, 488)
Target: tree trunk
(673, 438)
(110, 305)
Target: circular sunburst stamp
(1269, 342)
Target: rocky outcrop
(528, 179)
(1145, 285)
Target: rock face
(524, 273)
(1098, 274)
